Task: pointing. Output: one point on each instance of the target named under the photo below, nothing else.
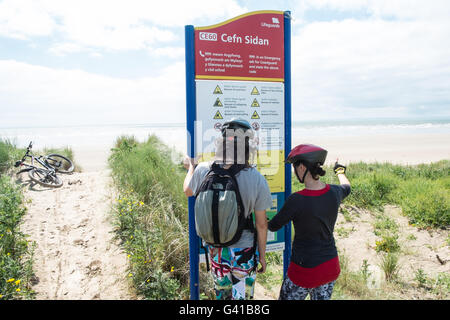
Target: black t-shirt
(314, 214)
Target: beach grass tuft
(9, 153)
(151, 216)
(16, 252)
(66, 151)
(352, 284)
(426, 202)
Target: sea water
(370, 127)
(175, 134)
(92, 135)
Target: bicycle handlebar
(19, 162)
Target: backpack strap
(205, 248)
(232, 172)
(255, 245)
(203, 181)
(215, 216)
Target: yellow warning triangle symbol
(217, 90)
(218, 103)
(255, 115)
(255, 103)
(218, 115)
(255, 91)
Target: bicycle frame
(32, 166)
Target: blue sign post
(287, 135)
(190, 120)
(256, 64)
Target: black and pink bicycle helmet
(310, 155)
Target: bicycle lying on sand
(50, 164)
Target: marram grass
(16, 251)
(151, 217)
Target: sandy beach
(92, 159)
(399, 149)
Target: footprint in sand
(80, 242)
(83, 223)
(94, 268)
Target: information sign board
(261, 104)
(248, 47)
(240, 69)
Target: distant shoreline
(295, 123)
(408, 143)
(396, 149)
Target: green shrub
(151, 216)
(434, 170)
(147, 169)
(4, 156)
(422, 191)
(441, 286)
(385, 224)
(388, 243)
(421, 278)
(15, 252)
(351, 284)
(425, 202)
(372, 189)
(7, 153)
(160, 286)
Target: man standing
(234, 266)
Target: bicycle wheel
(59, 163)
(45, 178)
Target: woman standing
(314, 265)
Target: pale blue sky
(100, 61)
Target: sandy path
(75, 257)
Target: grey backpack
(219, 210)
